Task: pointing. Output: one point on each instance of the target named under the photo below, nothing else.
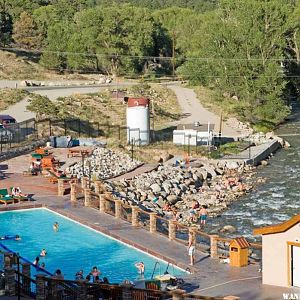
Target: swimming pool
(74, 246)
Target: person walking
(191, 248)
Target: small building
(239, 252)
(281, 253)
(193, 134)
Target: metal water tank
(138, 121)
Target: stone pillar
(84, 182)
(178, 294)
(153, 222)
(73, 192)
(10, 283)
(98, 186)
(40, 287)
(172, 230)
(118, 208)
(87, 197)
(8, 258)
(60, 187)
(127, 291)
(214, 246)
(27, 273)
(134, 216)
(102, 203)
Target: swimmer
(79, 275)
(141, 267)
(36, 261)
(43, 252)
(42, 266)
(17, 238)
(55, 226)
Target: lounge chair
(53, 178)
(5, 198)
(19, 198)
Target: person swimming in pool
(56, 227)
(43, 252)
(141, 267)
(37, 261)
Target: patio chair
(5, 198)
(19, 198)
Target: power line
(169, 58)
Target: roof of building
(196, 126)
(279, 227)
(242, 242)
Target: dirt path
(194, 111)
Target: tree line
(246, 51)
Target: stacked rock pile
(104, 164)
(170, 189)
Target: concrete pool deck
(209, 278)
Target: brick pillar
(178, 294)
(214, 246)
(134, 216)
(26, 281)
(172, 230)
(153, 222)
(118, 208)
(60, 187)
(73, 192)
(10, 283)
(87, 197)
(102, 203)
(127, 291)
(40, 287)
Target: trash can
(239, 252)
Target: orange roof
(242, 242)
(278, 228)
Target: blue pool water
(74, 247)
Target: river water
(276, 200)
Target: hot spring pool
(74, 247)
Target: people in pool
(79, 275)
(56, 227)
(11, 237)
(141, 267)
(37, 261)
(42, 266)
(43, 252)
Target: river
(276, 200)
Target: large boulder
(155, 188)
(228, 229)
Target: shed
(281, 253)
(193, 134)
(239, 252)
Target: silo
(138, 121)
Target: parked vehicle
(7, 120)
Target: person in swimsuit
(141, 267)
(203, 215)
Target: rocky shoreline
(171, 191)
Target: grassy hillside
(11, 96)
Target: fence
(18, 281)
(214, 245)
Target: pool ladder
(154, 269)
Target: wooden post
(8, 257)
(102, 203)
(73, 192)
(118, 208)
(127, 291)
(172, 230)
(134, 216)
(153, 222)
(60, 187)
(214, 246)
(87, 197)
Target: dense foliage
(246, 51)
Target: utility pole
(173, 54)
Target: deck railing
(105, 202)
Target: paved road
(19, 112)
(196, 112)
